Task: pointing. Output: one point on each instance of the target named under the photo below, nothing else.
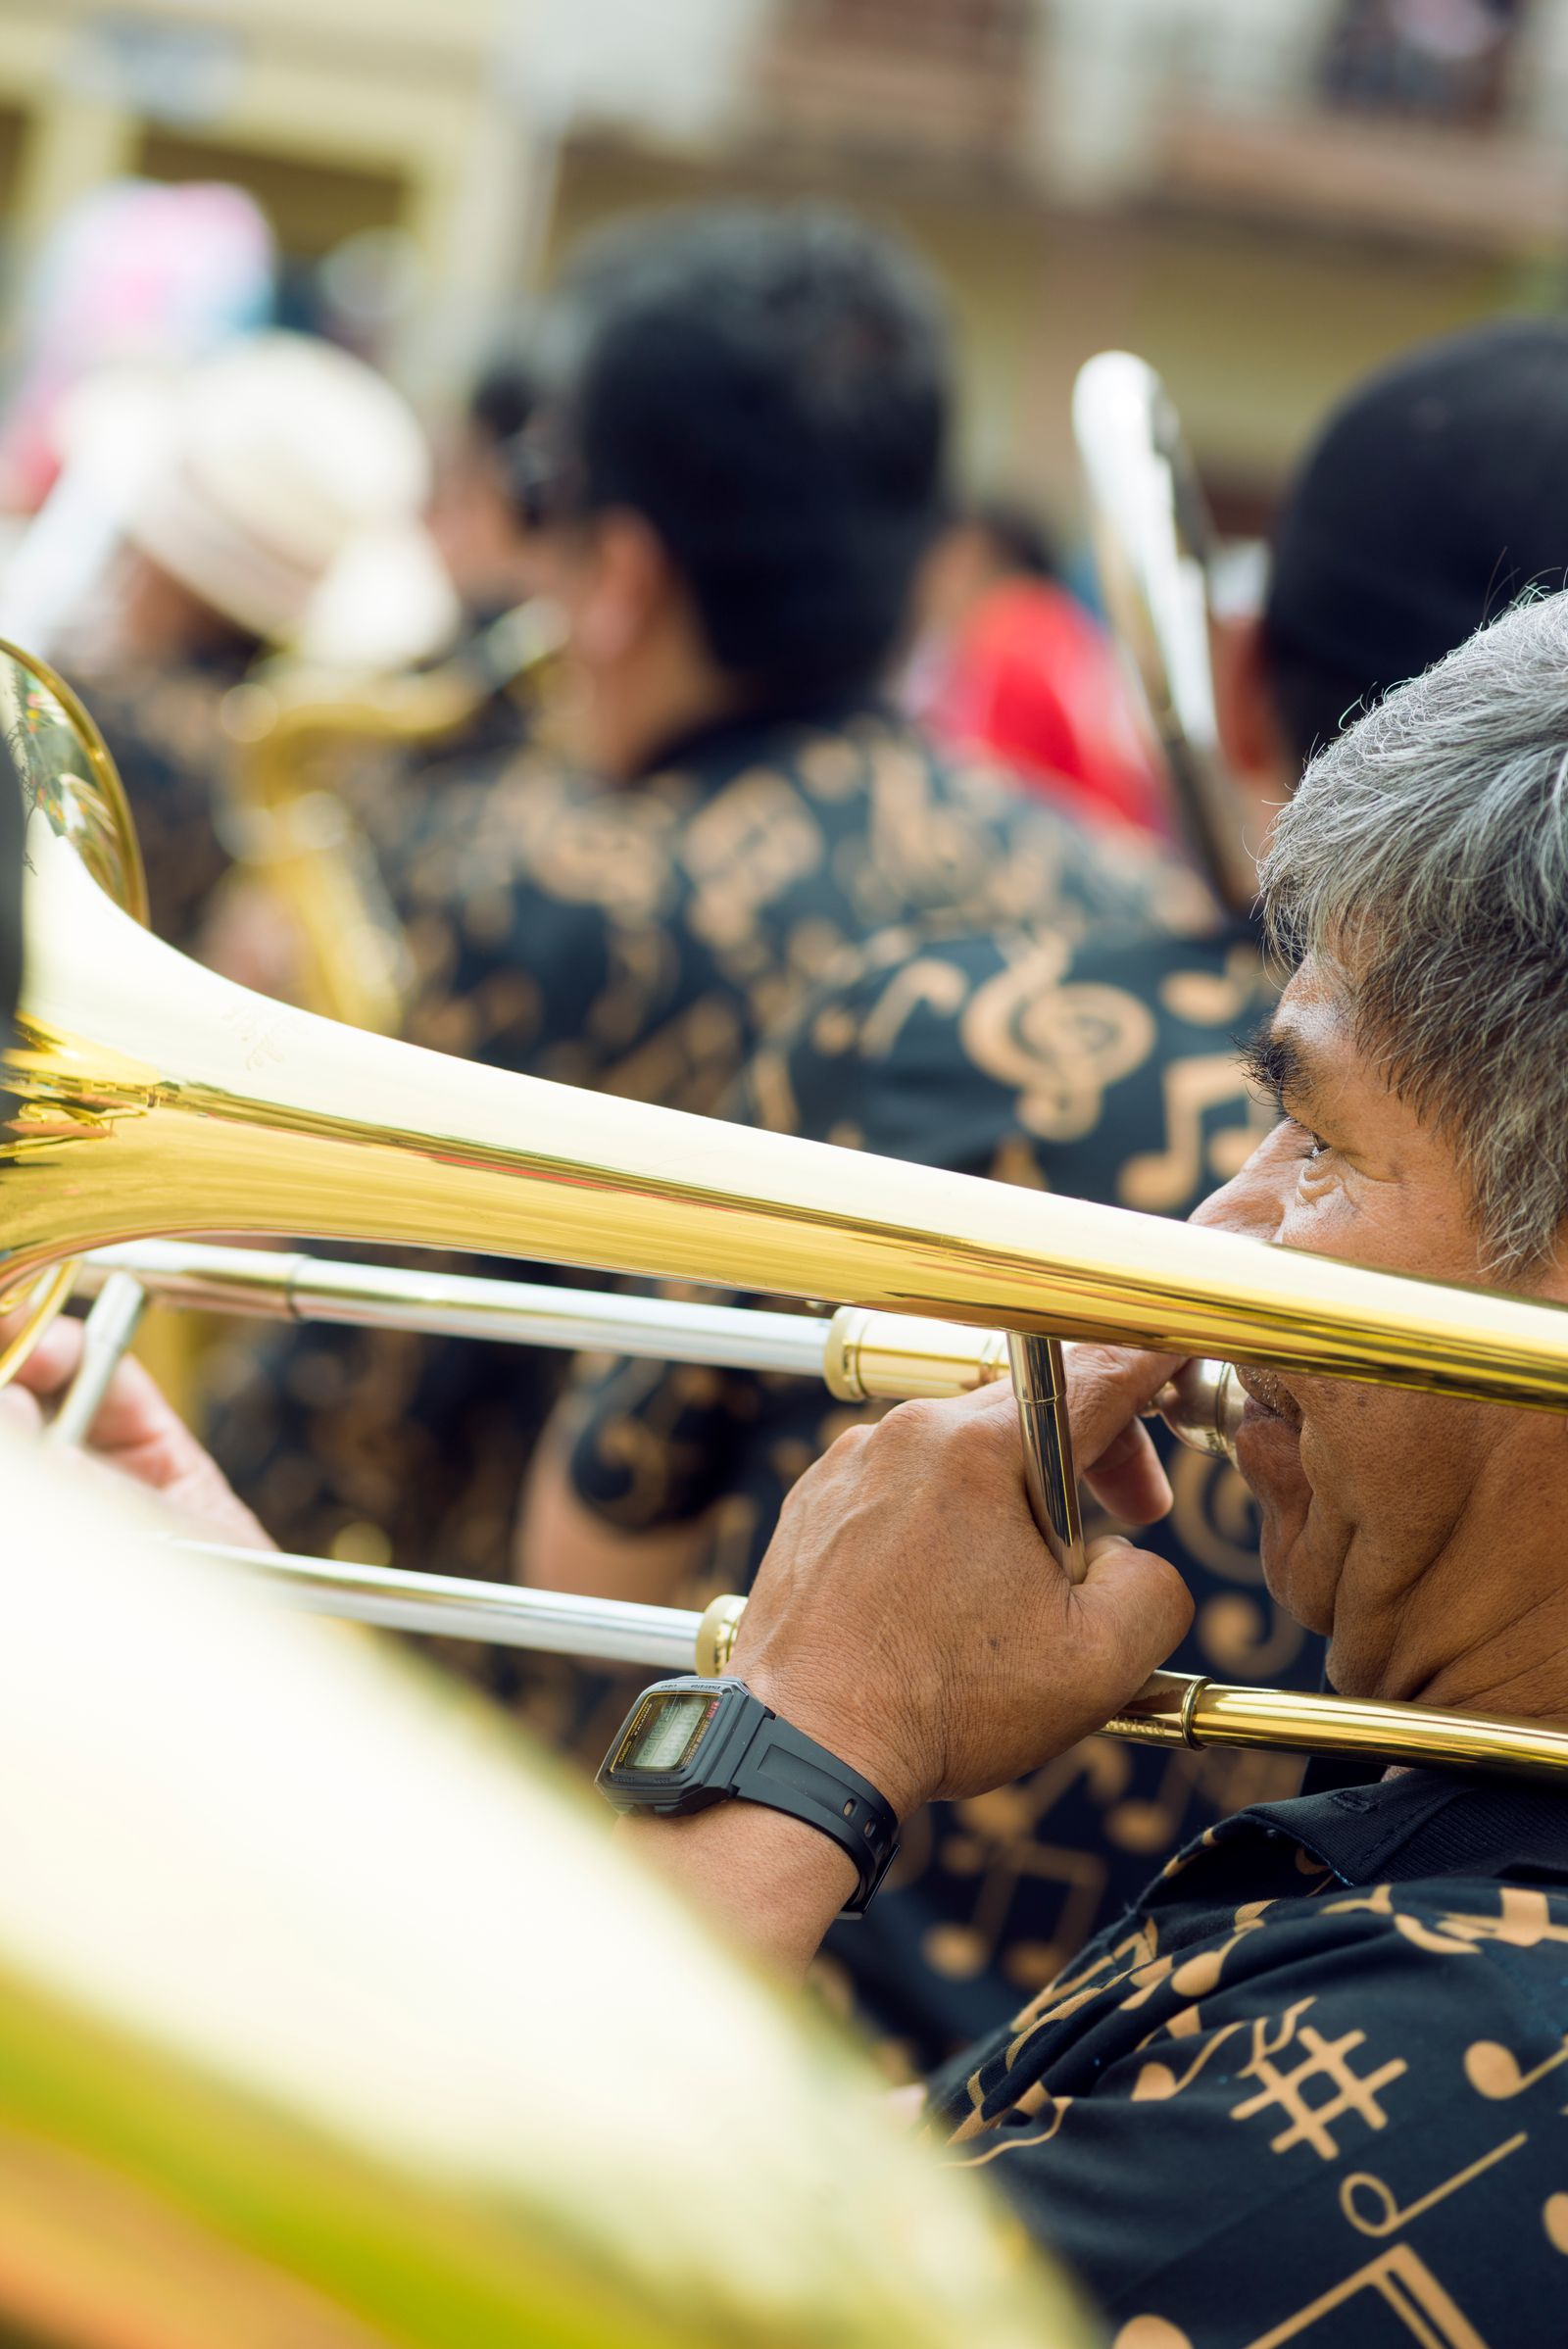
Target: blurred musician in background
(732, 471)
(474, 514)
(274, 506)
(1103, 1070)
(1008, 661)
(1313, 2084)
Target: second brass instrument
(299, 837)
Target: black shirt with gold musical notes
(1311, 2089)
(1105, 1070)
(639, 940)
(642, 938)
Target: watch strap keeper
(789, 1772)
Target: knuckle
(922, 1421)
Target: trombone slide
(1172, 1708)
(861, 1356)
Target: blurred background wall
(1263, 197)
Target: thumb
(1140, 1610)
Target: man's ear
(629, 589)
(1243, 699)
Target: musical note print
(1554, 2219)
(1058, 1045)
(1158, 2082)
(1309, 2122)
(1407, 2285)
(1389, 2216)
(1495, 2072)
(1400, 2279)
(1159, 1182)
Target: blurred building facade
(1264, 197)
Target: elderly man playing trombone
(1311, 2087)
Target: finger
(20, 1410)
(1129, 1480)
(1141, 1607)
(137, 1416)
(51, 1363)
(1108, 1388)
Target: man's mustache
(1270, 1393)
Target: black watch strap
(789, 1772)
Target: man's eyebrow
(1276, 1063)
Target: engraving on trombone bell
(261, 1033)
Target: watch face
(668, 1728)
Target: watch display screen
(666, 1731)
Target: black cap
(1439, 492)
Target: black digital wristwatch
(689, 1743)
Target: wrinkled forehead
(1311, 1033)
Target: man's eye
(1316, 1147)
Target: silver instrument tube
(558, 1623)
(107, 1336)
(862, 1356)
(292, 1286)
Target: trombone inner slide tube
(158, 1099)
(558, 1623)
(1172, 1708)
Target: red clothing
(1032, 679)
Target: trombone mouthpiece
(1203, 1405)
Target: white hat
(286, 491)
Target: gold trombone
(154, 1099)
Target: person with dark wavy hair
(734, 462)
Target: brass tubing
(1051, 1478)
(1172, 1709)
(275, 1286)
(158, 1099)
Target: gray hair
(1426, 854)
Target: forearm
(561, 1546)
(771, 1884)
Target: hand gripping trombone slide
(152, 1099)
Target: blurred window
(980, 32)
(313, 207)
(1435, 59)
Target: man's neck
(1480, 1624)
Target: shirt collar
(1423, 1824)
(740, 736)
